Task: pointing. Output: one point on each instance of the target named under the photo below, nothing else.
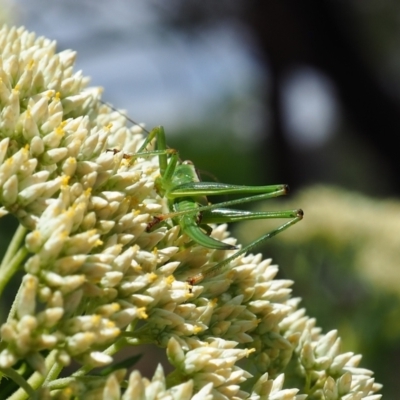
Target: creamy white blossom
(95, 281)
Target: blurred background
(302, 92)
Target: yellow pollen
(142, 313)
(60, 130)
(62, 235)
(249, 351)
(30, 283)
(110, 324)
(125, 162)
(214, 302)
(70, 212)
(138, 268)
(188, 295)
(116, 307)
(65, 179)
(152, 277)
(30, 65)
(170, 279)
(197, 329)
(155, 251)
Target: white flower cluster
(95, 280)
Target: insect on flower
(186, 195)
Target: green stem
(14, 245)
(8, 272)
(35, 381)
(53, 373)
(13, 257)
(61, 383)
(20, 381)
(12, 313)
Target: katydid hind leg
(279, 191)
(227, 215)
(225, 263)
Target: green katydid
(186, 196)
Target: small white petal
(10, 191)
